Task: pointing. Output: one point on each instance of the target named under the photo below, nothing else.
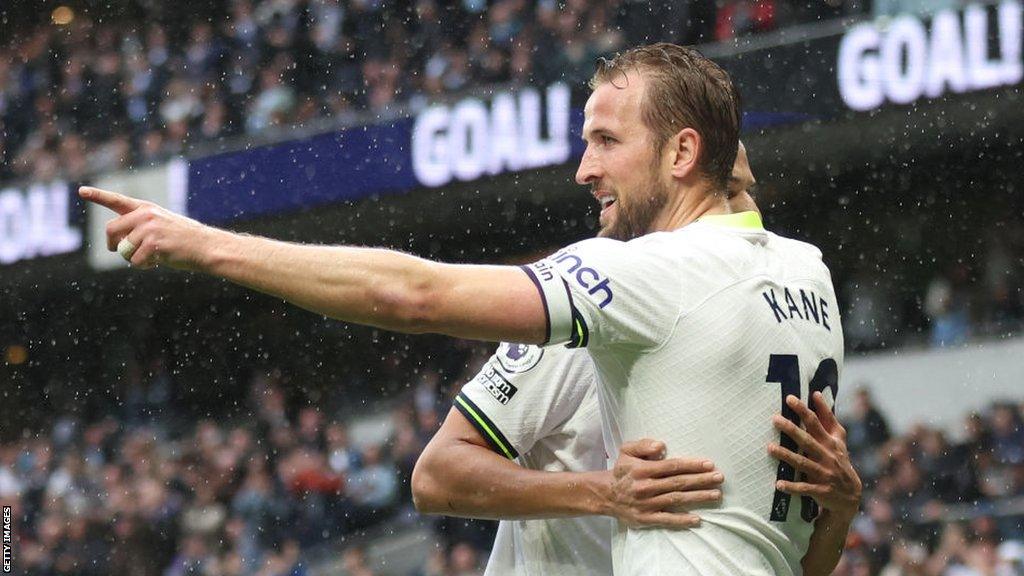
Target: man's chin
(611, 231)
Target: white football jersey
(539, 406)
(697, 335)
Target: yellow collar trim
(748, 220)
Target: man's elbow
(413, 306)
(427, 492)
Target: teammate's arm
(828, 477)
(458, 474)
(381, 288)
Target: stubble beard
(634, 218)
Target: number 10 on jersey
(784, 369)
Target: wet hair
(684, 90)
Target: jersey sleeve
(602, 291)
(523, 394)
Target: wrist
(214, 250)
(839, 516)
(598, 487)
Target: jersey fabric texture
(539, 406)
(696, 336)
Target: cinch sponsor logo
(544, 270)
(903, 59)
(497, 385)
(470, 139)
(590, 279)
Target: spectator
(946, 304)
(355, 563)
(287, 561)
(375, 485)
(916, 7)
(340, 455)
(744, 17)
(867, 430)
(465, 561)
(1007, 435)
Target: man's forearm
(468, 480)
(377, 287)
(827, 543)
(367, 286)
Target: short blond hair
(684, 90)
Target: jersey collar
(749, 220)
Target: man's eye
(607, 140)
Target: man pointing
(697, 335)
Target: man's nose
(588, 170)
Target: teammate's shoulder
(798, 246)
(513, 358)
(804, 254)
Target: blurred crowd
(937, 506)
(100, 92)
(133, 494)
(963, 300)
(986, 297)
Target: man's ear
(686, 149)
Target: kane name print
(797, 304)
(496, 384)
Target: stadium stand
(279, 484)
(108, 91)
(261, 497)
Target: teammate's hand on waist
(648, 490)
(827, 475)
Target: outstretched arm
(458, 474)
(382, 288)
(828, 477)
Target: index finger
(117, 202)
(673, 467)
(825, 414)
(645, 449)
(807, 417)
(661, 519)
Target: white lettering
(36, 223)
(906, 35)
(984, 72)
(1010, 29)
(504, 135)
(430, 147)
(559, 112)
(467, 139)
(859, 77)
(947, 54)
(470, 139)
(906, 60)
(12, 226)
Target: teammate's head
(740, 183)
(660, 116)
(742, 177)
